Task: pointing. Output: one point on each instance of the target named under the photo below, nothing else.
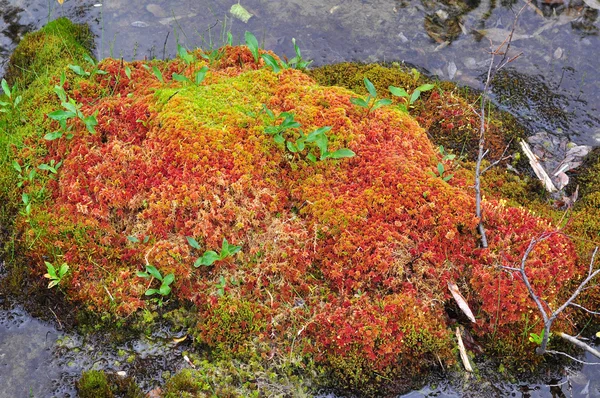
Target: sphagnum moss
(344, 263)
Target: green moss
(94, 384)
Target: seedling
(410, 99)
(52, 167)
(537, 339)
(320, 139)
(297, 62)
(13, 103)
(55, 275)
(370, 102)
(440, 166)
(252, 45)
(26, 174)
(153, 273)
(71, 110)
(158, 74)
(210, 256)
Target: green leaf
(61, 93)
(164, 290)
(6, 89)
(359, 102)
(128, 72)
(382, 102)
(180, 78)
(79, 70)
(133, 239)
(414, 96)
(318, 132)
(370, 88)
(448, 178)
(342, 153)
(17, 101)
(47, 168)
(168, 279)
(278, 138)
(252, 44)
(61, 115)
(17, 166)
(154, 272)
(51, 269)
(398, 92)
(64, 268)
(158, 74)
(150, 292)
(207, 259)
(201, 74)
(311, 157)
(89, 59)
(192, 242)
(184, 54)
(271, 62)
(53, 136)
(425, 87)
(440, 168)
(90, 122)
(144, 275)
(53, 283)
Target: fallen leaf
(460, 300)
(179, 340)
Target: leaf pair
(371, 102)
(210, 256)
(55, 275)
(409, 98)
(152, 272)
(321, 141)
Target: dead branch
(550, 318)
(501, 51)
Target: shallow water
(554, 85)
(39, 360)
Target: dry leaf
(179, 340)
(460, 300)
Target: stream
(553, 86)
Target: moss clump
(345, 263)
(98, 384)
(94, 384)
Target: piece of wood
(537, 167)
(579, 343)
(463, 352)
(461, 301)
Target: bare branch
(585, 309)
(579, 343)
(573, 358)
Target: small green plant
(135, 239)
(252, 45)
(370, 103)
(537, 339)
(71, 110)
(26, 174)
(55, 276)
(296, 63)
(410, 98)
(165, 282)
(221, 286)
(158, 74)
(26, 199)
(320, 139)
(185, 55)
(52, 167)
(210, 256)
(14, 102)
(440, 166)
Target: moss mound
(344, 263)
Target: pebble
(558, 53)
(139, 24)
(156, 10)
(452, 69)
(402, 38)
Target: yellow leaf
(61, 1)
(179, 340)
(598, 334)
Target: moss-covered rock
(345, 261)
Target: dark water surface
(553, 86)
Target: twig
(579, 343)
(463, 352)
(491, 73)
(571, 357)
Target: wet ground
(554, 85)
